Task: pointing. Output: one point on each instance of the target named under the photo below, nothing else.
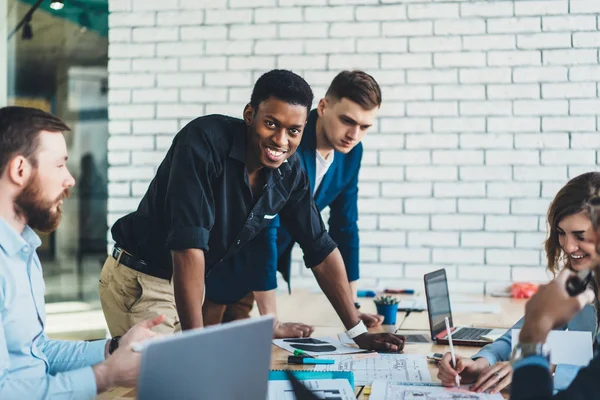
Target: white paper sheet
(566, 347)
(305, 344)
(397, 367)
(385, 390)
(335, 388)
(413, 304)
(345, 339)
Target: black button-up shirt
(201, 198)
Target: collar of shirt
(238, 145)
(11, 242)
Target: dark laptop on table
(438, 307)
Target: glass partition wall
(56, 60)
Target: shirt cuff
(564, 374)
(95, 352)
(83, 383)
(319, 250)
(538, 360)
(187, 237)
(488, 355)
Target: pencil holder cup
(388, 310)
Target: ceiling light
(57, 4)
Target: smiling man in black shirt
(221, 182)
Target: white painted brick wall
(489, 107)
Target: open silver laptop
(229, 361)
(438, 307)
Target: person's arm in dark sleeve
(343, 224)
(532, 380)
(303, 220)
(190, 216)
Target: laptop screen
(438, 301)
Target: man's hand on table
(371, 320)
(283, 330)
(141, 332)
(382, 342)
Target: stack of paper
(386, 390)
(366, 369)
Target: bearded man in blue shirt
(34, 181)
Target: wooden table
(313, 308)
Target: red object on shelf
(523, 290)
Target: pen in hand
(449, 331)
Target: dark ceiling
(38, 65)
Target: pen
(399, 291)
(305, 360)
(366, 293)
(451, 348)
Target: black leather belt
(138, 264)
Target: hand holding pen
(449, 332)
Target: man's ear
(321, 106)
(19, 170)
(248, 114)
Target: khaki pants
(214, 313)
(129, 297)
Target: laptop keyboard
(470, 333)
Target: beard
(41, 214)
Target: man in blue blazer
(331, 154)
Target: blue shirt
(31, 365)
(501, 349)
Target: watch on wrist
(524, 350)
(114, 344)
(358, 330)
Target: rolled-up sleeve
(501, 348)
(66, 355)
(189, 202)
(302, 219)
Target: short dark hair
(357, 86)
(19, 132)
(283, 85)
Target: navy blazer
(339, 191)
